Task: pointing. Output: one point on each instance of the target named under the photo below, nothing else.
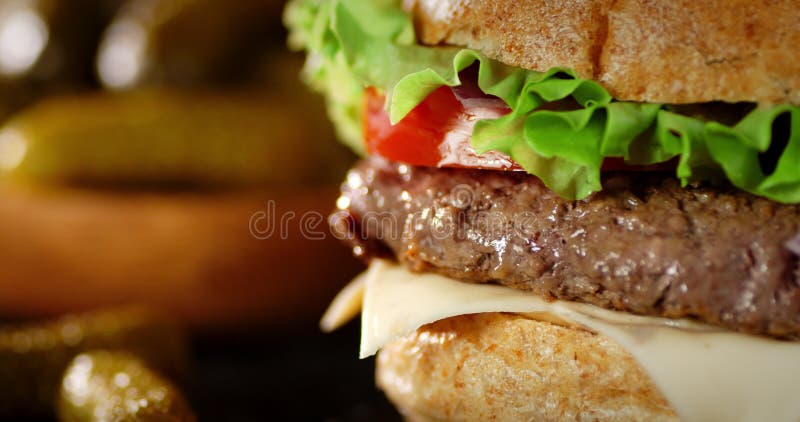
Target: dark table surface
(300, 374)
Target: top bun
(660, 51)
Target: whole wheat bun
(663, 51)
(508, 367)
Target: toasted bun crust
(508, 367)
(663, 51)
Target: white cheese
(345, 306)
(706, 373)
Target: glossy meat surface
(643, 245)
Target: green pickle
(159, 138)
(33, 356)
(118, 386)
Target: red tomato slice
(437, 133)
(415, 139)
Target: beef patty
(644, 244)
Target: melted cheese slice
(706, 373)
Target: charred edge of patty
(643, 245)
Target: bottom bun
(508, 367)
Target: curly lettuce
(353, 44)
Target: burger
(571, 210)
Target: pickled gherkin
(161, 138)
(33, 356)
(118, 386)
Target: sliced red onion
(473, 98)
(456, 149)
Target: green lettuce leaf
(353, 44)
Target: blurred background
(157, 158)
